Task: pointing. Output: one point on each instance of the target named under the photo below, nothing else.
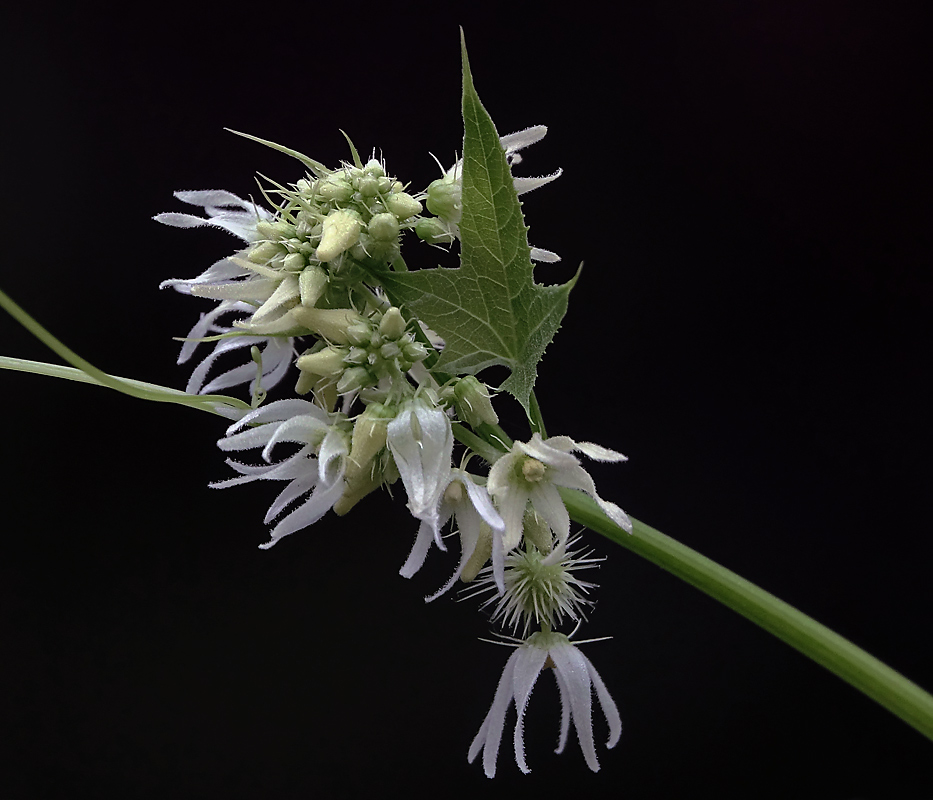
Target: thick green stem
(865, 672)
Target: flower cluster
(302, 297)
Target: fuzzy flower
(317, 467)
(469, 505)
(533, 470)
(239, 288)
(444, 195)
(540, 589)
(421, 441)
(576, 679)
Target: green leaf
(489, 311)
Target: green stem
(863, 671)
(86, 372)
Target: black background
(748, 185)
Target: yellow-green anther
(331, 324)
(392, 324)
(473, 403)
(383, 227)
(328, 362)
(311, 285)
(403, 205)
(341, 231)
(533, 470)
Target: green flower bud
(328, 362)
(353, 379)
(369, 437)
(341, 231)
(536, 531)
(262, 252)
(473, 403)
(432, 231)
(415, 351)
(480, 555)
(444, 199)
(359, 334)
(334, 189)
(331, 324)
(311, 285)
(392, 324)
(390, 350)
(294, 262)
(403, 205)
(373, 169)
(368, 187)
(383, 227)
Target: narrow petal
(528, 666)
(523, 138)
(545, 256)
(598, 452)
(607, 703)
(321, 501)
(572, 666)
(564, 712)
(490, 732)
(524, 185)
(419, 551)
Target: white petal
(524, 185)
(572, 666)
(316, 506)
(608, 705)
(547, 502)
(523, 138)
(480, 500)
(490, 732)
(419, 551)
(528, 666)
(616, 514)
(545, 256)
(598, 452)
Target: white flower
(224, 210)
(421, 441)
(576, 678)
(533, 470)
(240, 287)
(467, 502)
(277, 354)
(317, 467)
(511, 143)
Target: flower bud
(480, 555)
(369, 437)
(473, 404)
(294, 262)
(341, 231)
(353, 379)
(444, 199)
(433, 231)
(383, 227)
(263, 251)
(311, 285)
(403, 205)
(334, 189)
(331, 324)
(392, 325)
(328, 362)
